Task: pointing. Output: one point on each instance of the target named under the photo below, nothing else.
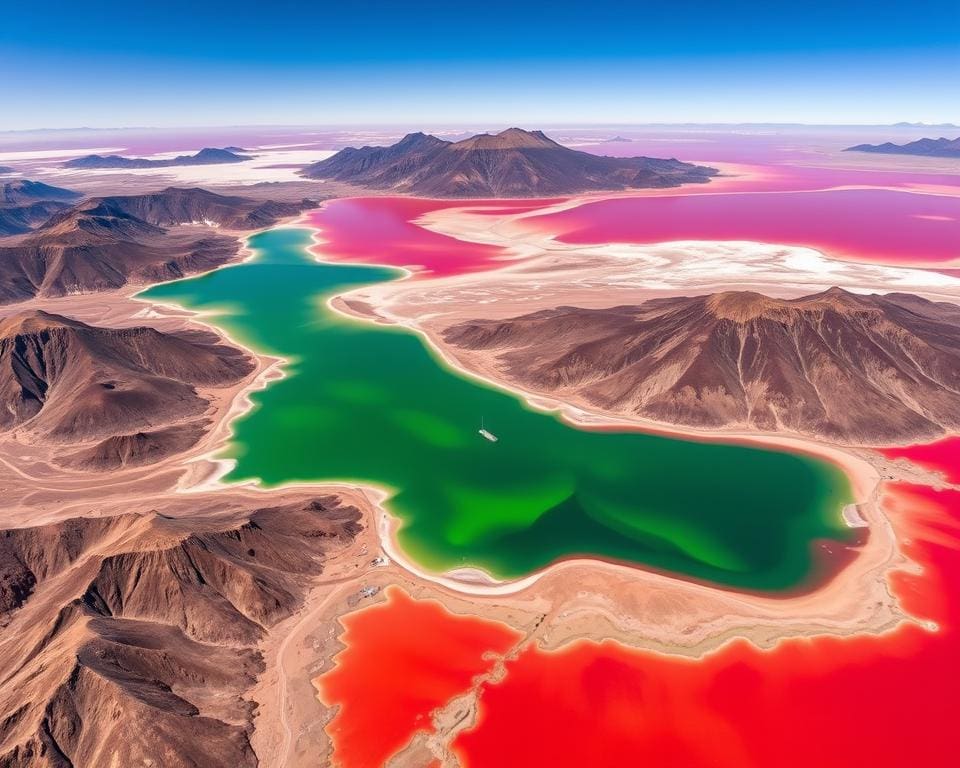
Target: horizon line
(548, 124)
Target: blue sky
(104, 64)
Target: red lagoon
(883, 225)
(879, 225)
(793, 178)
(872, 701)
(381, 230)
(941, 456)
(782, 178)
(402, 659)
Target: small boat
(485, 434)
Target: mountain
(65, 381)
(616, 139)
(22, 191)
(206, 156)
(5, 169)
(191, 205)
(135, 449)
(904, 124)
(921, 147)
(134, 639)
(18, 219)
(514, 163)
(104, 243)
(25, 205)
(858, 369)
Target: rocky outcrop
(133, 640)
(65, 381)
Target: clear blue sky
(181, 62)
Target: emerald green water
(369, 403)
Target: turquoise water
(370, 403)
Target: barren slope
(853, 368)
(132, 640)
(64, 381)
(27, 204)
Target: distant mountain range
(921, 147)
(5, 169)
(206, 156)
(925, 125)
(514, 163)
(859, 369)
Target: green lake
(364, 402)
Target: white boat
(485, 434)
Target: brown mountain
(104, 243)
(64, 381)
(25, 204)
(514, 163)
(133, 640)
(191, 205)
(17, 219)
(137, 449)
(941, 147)
(862, 369)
